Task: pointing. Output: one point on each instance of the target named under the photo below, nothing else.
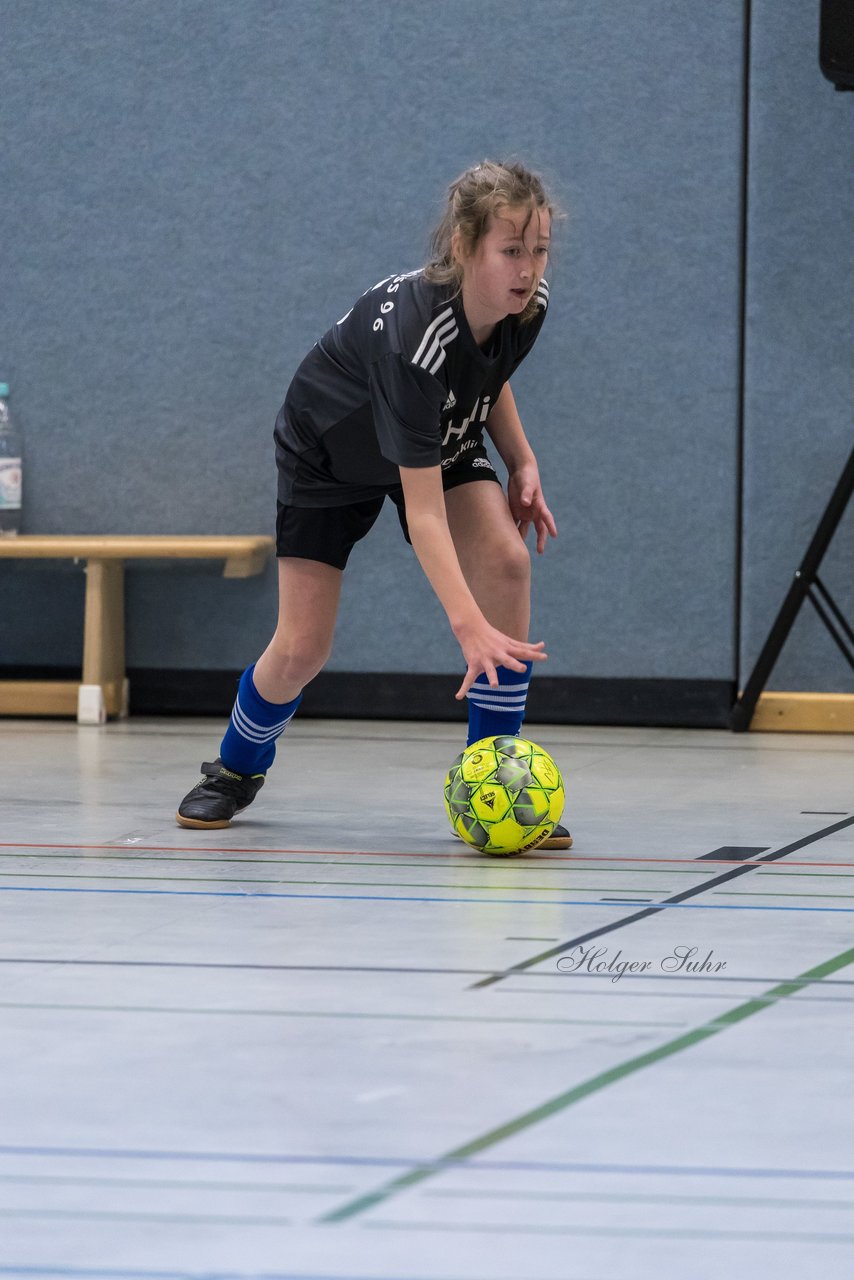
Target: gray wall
(196, 190)
(799, 385)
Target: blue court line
(123, 1273)
(378, 897)
(463, 1164)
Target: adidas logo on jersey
(449, 403)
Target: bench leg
(104, 691)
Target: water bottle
(10, 469)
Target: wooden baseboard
(38, 697)
(804, 713)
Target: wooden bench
(103, 690)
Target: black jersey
(399, 381)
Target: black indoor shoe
(559, 839)
(221, 794)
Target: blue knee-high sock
(501, 710)
(249, 744)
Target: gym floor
(330, 1042)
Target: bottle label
(10, 484)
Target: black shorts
(328, 534)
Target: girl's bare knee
(297, 664)
(511, 562)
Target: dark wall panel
(201, 188)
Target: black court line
(571, 862)
(734, 853)
(652, 911)
(622, 899)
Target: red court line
(576, 860)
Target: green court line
(171, 1183)
(762, 893)
(106, 1215)
(128, 856)
(321, 1013)
(812, 875)
(601, 1081)
(638, 1233)
(603, 1197)
(342, 884)
(614, 989)
(297, 732)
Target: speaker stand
(806, 585)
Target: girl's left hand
(528, 506)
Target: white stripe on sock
(262, 728)
(256, 732)
(251, 730)
(496, 695)
(502, 688)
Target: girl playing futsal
(393, 402)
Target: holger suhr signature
(681, 959)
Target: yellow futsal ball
(504, 795)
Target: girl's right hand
(485, 649)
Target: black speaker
(836, 42)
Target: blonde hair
(473, 198)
